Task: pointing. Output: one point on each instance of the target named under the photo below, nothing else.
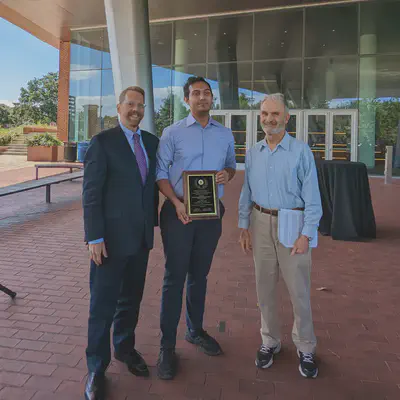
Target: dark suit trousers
(189, 250)
(116, 290)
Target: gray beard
(275, 131)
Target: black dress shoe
(135, 363)
(95, 388)
(167, 364)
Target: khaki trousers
(270, 259)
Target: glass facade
(333, 57)
(91, 95)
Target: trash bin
(82, 149)
(70, 151)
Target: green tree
(164, 117)
(21, 115)
(244, 102)
(5, 115)
(38, 101)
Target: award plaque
(201, 194)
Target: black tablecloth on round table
(346, 200)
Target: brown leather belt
(273, 212)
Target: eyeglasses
(133, 104)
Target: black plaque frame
(215, 214)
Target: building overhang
(52, 20)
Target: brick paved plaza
(43, 333)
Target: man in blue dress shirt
(120, 208)
(194, 143)
(280, 174)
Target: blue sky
(23, 57)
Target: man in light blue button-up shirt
(194, 143)
(280, 174)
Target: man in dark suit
(120, 205)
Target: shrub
(43, 139)
(6, 139)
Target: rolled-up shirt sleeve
(245, 201)
(230, 161)
(165, 155)
(310, 195)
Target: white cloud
(83, 75)
(9, 103)
(82, 67)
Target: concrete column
(228, 79)
(129, 38)
(63, 91)
(181, 60)
(367, 120)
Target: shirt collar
(284, 143)
(190, 120)
(128, 132)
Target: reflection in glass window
(163, 100)
(278, 77)
(379, 118)
(330, 83)
(160, 40)
(231, 85)
(331, 31)
(179, 77)
(109, 117)
(230, 39)
(380, 27)
(190, 42)
(278, 35)
(86, 49)
(85, 96)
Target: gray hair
(279, 97)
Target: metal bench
(43, 182)
(25, 186)
(61, 165)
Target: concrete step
(14, 153)
(17, 147)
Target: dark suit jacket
(116, 204)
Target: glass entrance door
(316, 133)
(343, 144)
(241, 125)
(332, 134)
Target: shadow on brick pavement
(43, 333)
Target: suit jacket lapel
(126, 152)
(150, 156)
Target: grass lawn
(18, 130)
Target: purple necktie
(140, 157)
